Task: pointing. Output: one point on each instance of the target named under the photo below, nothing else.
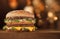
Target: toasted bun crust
(19, 13)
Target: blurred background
(47, 12)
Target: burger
(19, 20)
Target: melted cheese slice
(30, 28)
(19, 28)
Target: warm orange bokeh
(28, 2)
(41, 6)
(13, 3)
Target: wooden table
(40, 34)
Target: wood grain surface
(47, 34)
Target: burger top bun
(19, 13)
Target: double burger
(19, 20)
